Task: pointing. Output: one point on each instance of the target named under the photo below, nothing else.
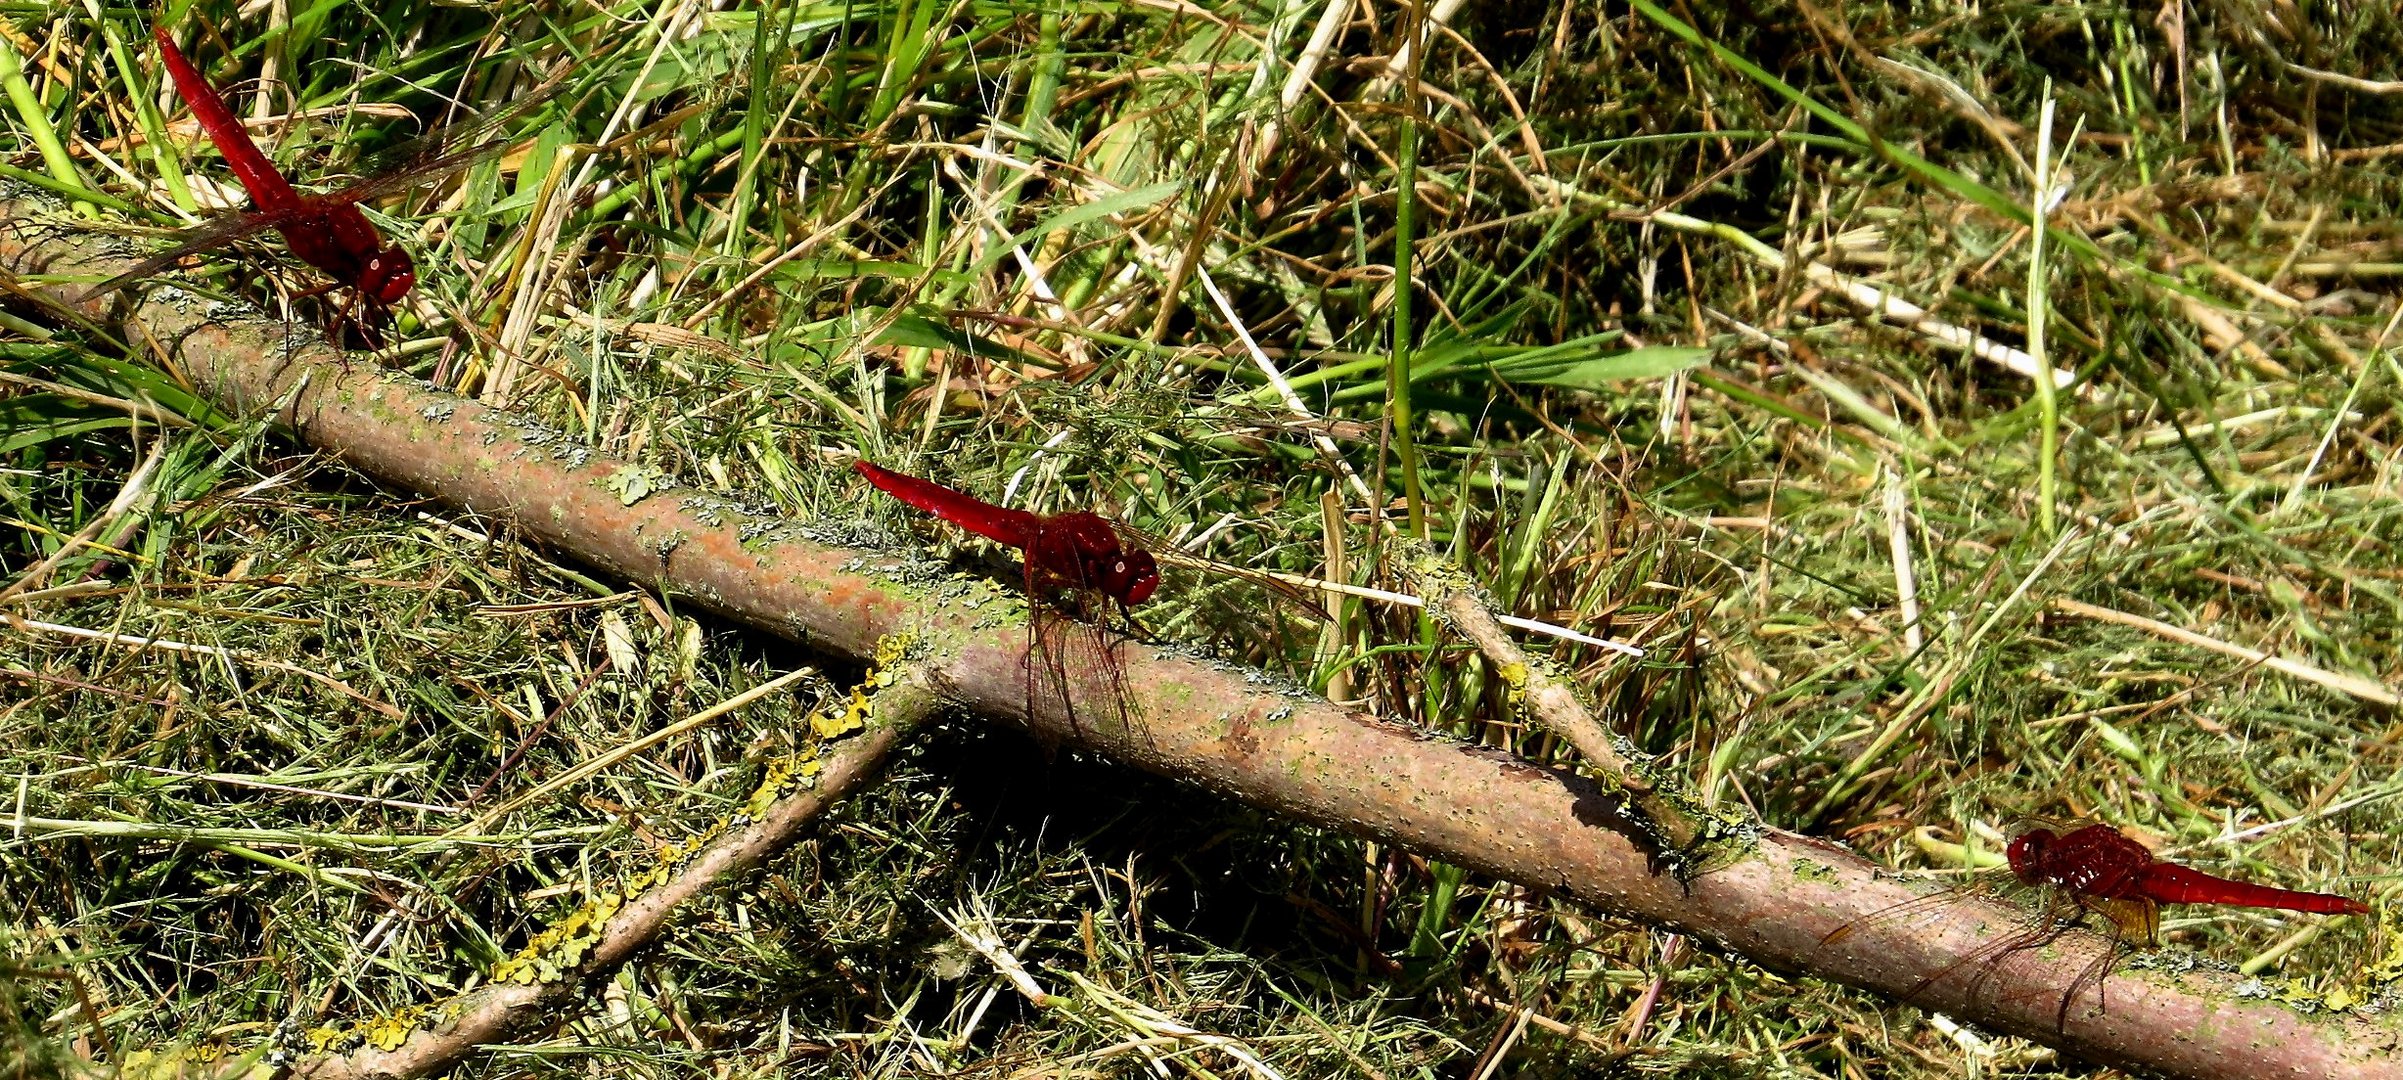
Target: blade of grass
(2048, 443)
(1399, 420)
(34, 117)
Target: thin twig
(1402, 599)
(501, 1010)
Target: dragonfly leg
(318, 290)
(2096, 971)
(373, 313)
(1136, 629)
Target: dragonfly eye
(1130, 578)
(389, 275)
(1134, 577)
(2025, 851)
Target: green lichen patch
(634, 483)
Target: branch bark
(1676, 827)
(1229, 731)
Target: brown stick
(1675, 826)
(498, 1012)
(1227, 731)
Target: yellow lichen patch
(557, 950)
(176, 1062)
(389, 1031)
(852, 718)
(2389, 969)
(784, 776)
(672, 857)
(1514, 682)
(386, 1032)
(2295, 994)
(891, 649)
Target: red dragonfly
(325, 231)
(1077, 550)
(2097, 869)
(1077, 553)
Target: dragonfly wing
(2096, 974)
(205, 237)
(2057, 920)
(1294, 595)
(417, 174)
(444, 150)
(1065, 654)
(1909, 912)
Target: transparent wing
(2049, 928)
(1294, 595)
(420, 161)
(1070, 660)
(207, 236)
(1923, 910)
(474, 135)
(445, 150)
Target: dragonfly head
(1131, 577)
(388, 275)
(2027, 853)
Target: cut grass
(972, 239)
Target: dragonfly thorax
(2095, 860)
(1081, 550)
(342, 243)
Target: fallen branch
(502, 1010)
(1674, 826)
(1230, 731)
